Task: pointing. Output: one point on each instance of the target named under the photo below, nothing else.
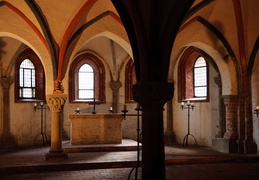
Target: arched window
(200, 77)
(130, 80)
(29, 77)
(193, 75)
(87, 79)
(86, 82)
(27, 85)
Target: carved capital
(6, 82)
(153, 94)
(56, 101)
(115, 85)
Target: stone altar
(95, 129)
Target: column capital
(6, 82)
(56, 101)
(153, 94)
(115, 85)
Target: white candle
(257, 107)
(110, 108)
(35, 104)
(41, 103)
(78, 108)
(188, 103)
(182, 104)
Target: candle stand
(42, 134)
(138, 109)
(256, 111)
(188, 107)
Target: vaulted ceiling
(56, 30)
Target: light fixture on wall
(188, 107)
(256, 111)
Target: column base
(7, 141)
(225, 145)
(250, 147)
(169, 137)
(56, 156)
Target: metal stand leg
(43, 135)
(185, 140)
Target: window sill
(29, 100)
(195, 99)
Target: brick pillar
(55, 103)
(231, 105)
(7, 140)
(241, 124)
(231, 135)
(152, 96)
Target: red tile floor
(181, 163)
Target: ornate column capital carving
(115, 85)
(56, 101)
(153, 94)
(6, 82)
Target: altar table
(95, 129)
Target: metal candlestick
(189, 106)
(43, 135)
(138, 109)
(256, 111)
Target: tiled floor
(181, 163)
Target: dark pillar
(152, 96)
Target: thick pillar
(115, 86)
(152, 96)
(55, 103)
(7, 140)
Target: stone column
(250, 146)
(115, 86)
(152, 96)
(7, 140)
(55, 103)
(169, 133)
(222, 122)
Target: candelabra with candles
(188, 107)
(42, 134)
(125, 111)
(256, 111)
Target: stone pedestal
(55, 103)
(96, 129)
